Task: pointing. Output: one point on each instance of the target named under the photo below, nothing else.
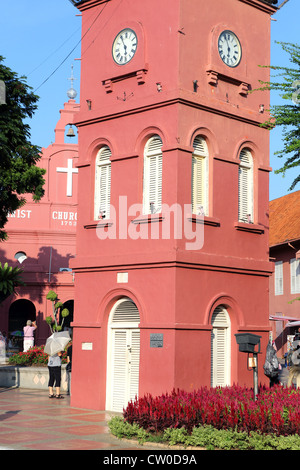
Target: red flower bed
(277, 410)
(35, 356)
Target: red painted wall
(175, 289)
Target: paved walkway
(29, 420)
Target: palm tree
(9, 279)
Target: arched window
(200, 176)
(220, 348)
(246, 187)
(102, 184)
(152, 191)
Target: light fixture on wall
(20, 256)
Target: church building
(41, 237)
(172, 257)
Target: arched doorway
(220, 348)
(69, 304)
(19, 312)
(123, 355)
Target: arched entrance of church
(220, 348)
(19, 312)
(69, 304)
(123, 355)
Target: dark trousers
(54, 376)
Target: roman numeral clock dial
(230, 49)
(124, 46)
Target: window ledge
(252, 228)
(148, 218)
(200, 219)
(99, 223)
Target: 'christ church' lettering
(20, 214)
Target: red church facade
(41, 237)
(172, 237)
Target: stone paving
(29, 420)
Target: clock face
(124, 46)
(229, 48)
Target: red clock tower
(172, 237)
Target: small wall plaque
(86, 346)
(156, 340)
(122, 278)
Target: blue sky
(41, 39)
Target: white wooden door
(125, 364)
(220, 348)
(123, 356)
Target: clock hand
(228, 48)
(125, 47)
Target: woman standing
(28, 335)
(54, 366)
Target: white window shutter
(245, 206)
(200, 176)
(153, 176)
(295, 276)
(102, 184)
(278, 278)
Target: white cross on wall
(69, 170)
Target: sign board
(156, 340)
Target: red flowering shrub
(276, 411)
(33, 357)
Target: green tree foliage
(9, 279)
(287, 115)
(18, 171)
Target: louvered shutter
(134, 372)
(153, 176)
(245, 187)
(220, 348)
(119, 378)
(278, 278)
(125, 358)
(126, 312)
(295, 275)
(103, 183)
(292, 275)
(200, 176)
